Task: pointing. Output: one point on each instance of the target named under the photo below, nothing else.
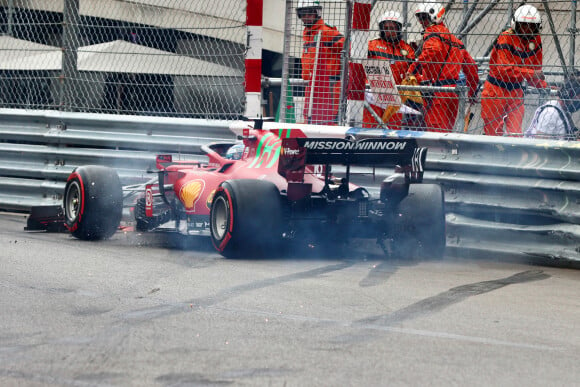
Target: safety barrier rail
(504, 196)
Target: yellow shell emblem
(190, 193)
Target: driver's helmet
(235, 152)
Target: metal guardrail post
(573, 31)
(285, 63)
(10, 17)
(555, 36)
(462, 95)
(405, 18)
(71, 21)
(345, 59)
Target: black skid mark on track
(378, 275)
(383, 271)
(452, 296)
(166, 310)
(432, 305)
(190, 380)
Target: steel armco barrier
(504, 196)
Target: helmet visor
(422, 17)
(301, 12)
(390, 25)
(527, 28)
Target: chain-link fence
(498, 93)
(186, 58)
(151, 57)
(315, 60)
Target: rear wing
(401, 153)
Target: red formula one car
(274, 188)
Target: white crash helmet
(391, 16)
(434, 10)
(527, 14)
(307, 6)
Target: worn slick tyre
(420, 223)
(245, 218)
(93, 202)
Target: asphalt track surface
(144, 310)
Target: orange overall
(322, 73)
(400, 55)
(442, 58)
(512, 61)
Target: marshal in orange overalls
(513, 60)
(400, 55)
(326, 83)
(440, 62)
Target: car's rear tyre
(245, 218)
(419, 223)
(93, 202)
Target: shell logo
(190, 193)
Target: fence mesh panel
(151, 57)
(315, 62)
(477, 24)
(186, 58)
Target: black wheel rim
(219, 218)
(73, 201)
